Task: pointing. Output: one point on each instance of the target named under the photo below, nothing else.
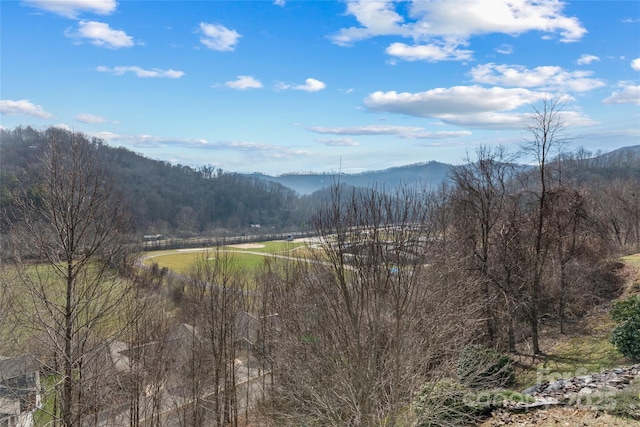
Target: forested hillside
(168, 198)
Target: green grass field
(248, 257)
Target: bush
(626, 335)
(625, 309)
(441, 403)
(482, 367)
(626, 338)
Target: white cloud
(72, 8)
(100, 34)
(454, 100)
(310, 85)
(429, 52)
(279, 2)
(505, 49)
(338, 142)
(141, 72)
(635, 64)
(441, 26)
(544, 77)
(630, 94)
(470, 106)
(62, 126)
(244, 82)
(254, 151)
(587, 59)
(92, 119)
(218, 37)
(406, 132)
(23, 106)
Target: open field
(248, 257)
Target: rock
(531, 390)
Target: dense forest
(169, 199)
(404, 307)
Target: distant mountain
(429, 174)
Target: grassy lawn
(249, 259)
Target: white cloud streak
(338, 142)
(141, 72)
(218, 37)
(92, 119)
(243, 83)
(310, 85)
(544, 77)
(405, 132)
(635, 64)
(100, 34)
(72, 8)
(23, 106)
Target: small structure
(19, 390)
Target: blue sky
(320, 86)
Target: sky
(320, 86)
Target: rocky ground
(557, 417)
(582, 400)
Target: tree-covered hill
(167, 198)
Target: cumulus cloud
(100, 34)
(544, 77)
(428, 52)
(376, 18)
(469, 106)
(635, 64)
(338, 142)
(218, 37)
(141, 72)
(440, 27)
(23, 106)
(454, 100)
(406, 132)
(72, 8)
(243, 83)
(629, 94)
(310, 85)
(587, 59)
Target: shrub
(440, 403)
(625, 309)
(626, 334)
(482, 367)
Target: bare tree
(547, 139)
(214, 302)
(69, 237)
(367, 319)
(481, 192)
